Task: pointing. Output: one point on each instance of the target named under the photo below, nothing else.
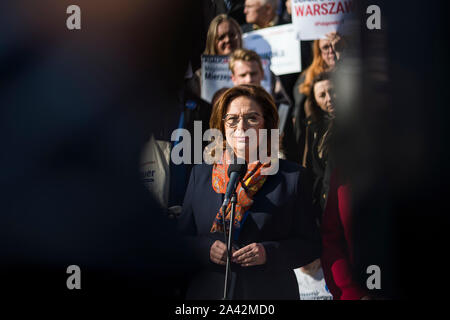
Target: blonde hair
(244, 55)
(212, 33)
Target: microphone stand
(229, 246)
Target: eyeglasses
(230, 35)
(327, 47)
(251, 120)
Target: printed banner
(217, 75)
(315, 18)
(279, 45)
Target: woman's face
(227, 38)
(243, 114)
(328, 54)
(325, 96)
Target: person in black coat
(319, 130)
(274, 229)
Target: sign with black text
(217, 75)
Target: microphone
(235, 171)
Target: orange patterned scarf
(246, 189)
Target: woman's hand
(218, 253)
(337, 42)
(312, 268)
(252, 255)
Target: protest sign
(217, 75)
(279, 45)
(315, 18)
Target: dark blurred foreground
(394, 143)
(77, 107)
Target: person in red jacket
(337, 243)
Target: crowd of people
(285, 221)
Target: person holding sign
(326, 53)
(224, 36)
(273, 231)
(319, 130)
(246, 68)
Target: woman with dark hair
(319, 126)
(326, 53)
(274, 230)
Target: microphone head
(240, 168)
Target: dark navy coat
(280, 218)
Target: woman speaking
(274, 230)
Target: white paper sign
(279, 45)
(315, 18)
(312, 287)
(217, 75)
(155, 169)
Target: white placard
(315, 18)
(279, 45)
(155, 169)
(217, 75)
(312, 287)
